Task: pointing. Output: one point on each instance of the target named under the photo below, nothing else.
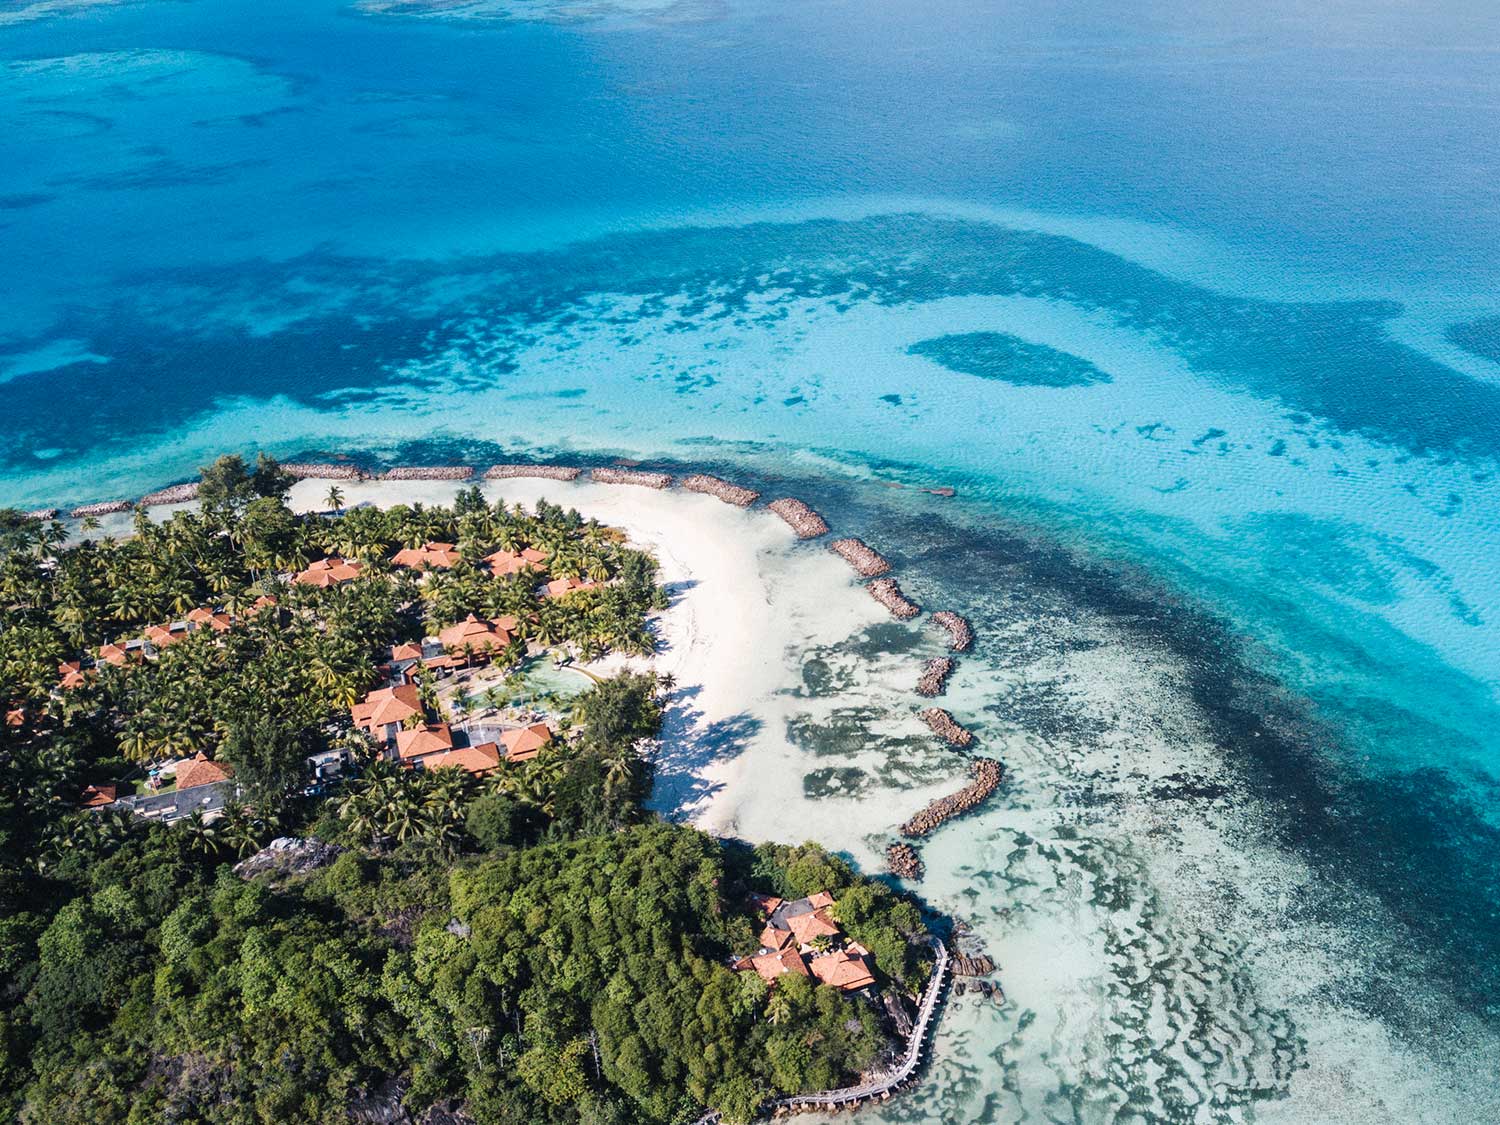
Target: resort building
(122, 654)
(382, 713)
(419, 742)
(561, 586)
(97, 796)
(477, 760)
(476, 636)
(429, 556)
(802, 937)
(503, 563)
(526, 743)
(201, 770)
(208, 619)
(329, 572)
(70, 675)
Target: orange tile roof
(772, 965)
(821, 899)
(431, 738)
(163, 635)
(406, 652)
(15, 717)
(766, 903)
(506, 623)
(386, 706)
(97, 796)
(526, 743)
(201, 770)
(71, 675)
(219, 622)
(116, 654)
(504, 562)
(481, 636)
(815, 924)
(429, 555)
(329, 572)
(772, 938)
(479, 759)
(560, 586)
(845, 969)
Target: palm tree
(335, 499)
(779, 1006)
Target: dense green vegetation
(529, 947)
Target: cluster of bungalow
(384, 713)
(396, 719)
(801, 937)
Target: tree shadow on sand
(688, 747)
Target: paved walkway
(883, 1084)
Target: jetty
(428, 472)
(935, 673)
(887, 593)
(903, 861)
(321, 470)
(987, 774)
(43, 514)
(882, 1085)
(175, 494)
(542, 472)
(960, 632)
(802, 519)
(867, 563)
(631, 476)
(721, 489)
(103, 508)
(946, 727)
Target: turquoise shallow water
(1197, 311)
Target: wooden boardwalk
(882, 1085)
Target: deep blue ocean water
(1206, 297)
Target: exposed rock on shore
(960, 632)
(43, 514)
(935, 675)
(867, 563)
(544, 472)
(288, 855)
(631, 476)
(903, 861)
(887, 593)
(318, 470)
(803, 520)
(428, 472)
(987, 774)
(946, 727)
(176, 494)
(721, 489)
(104, 508)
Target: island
(312, 816)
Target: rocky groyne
(946, 727)
(631, 476)
(867, 562)
(903, 861)
(542, 472)
(320, 470)
(887, 593)
(43, 514)
(960, 632)
(176, 494)
(935, 675)
(987, 775)
(720, 489)
(103, 508)
(802, 519)
(428, 472)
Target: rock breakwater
(946, 727)
(631, 476)
(987, 774)
(867, 562)
(903, 861)
(103, 508)
(175, 494)
(721, 489)
(428, 472)
(320, 470)
(802, 519)
(887, 593)
(960, 632)
(542, 472)
(935, 673)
